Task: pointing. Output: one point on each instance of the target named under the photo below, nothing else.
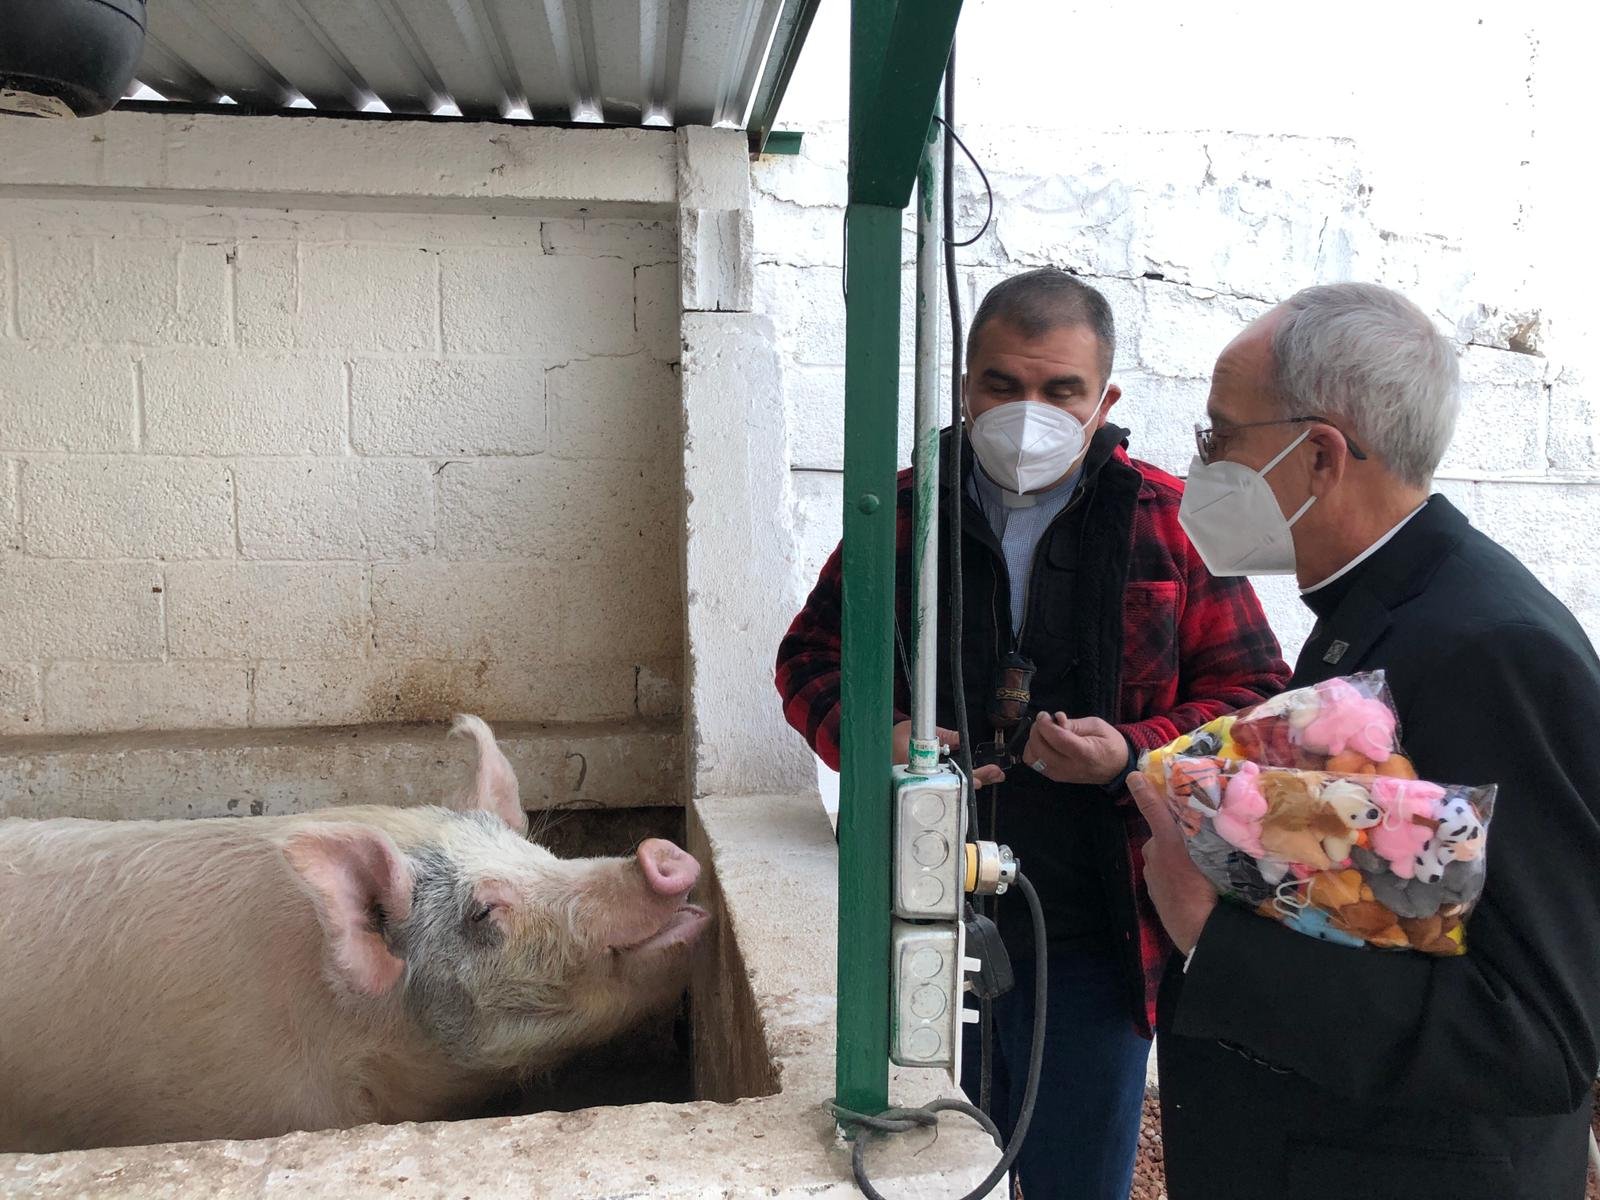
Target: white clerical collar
(1365, 554)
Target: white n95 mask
(1233, 519)
(1025, 445)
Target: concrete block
(1543, 524)
(453, 407)
(1573, 443)
(1186, 328)
(10, 523)
(716, 248)
(615, 409)
(334, 508)
(80, 610)
(799, 234)
(20, 708)
(1160, 414)
(557, 511)
(317, 157)
(818, 521)
(102, 697)
(1503, 414)
(736, 478)
(247, 610)
(806, 306)
(456, 612)
(814, 403)
(274, 773)
(127, 507)
(145, 291)
(659, 687)
(243, 404)
(473, 226)
(630, 609)
(8, 313)
(362, 693)
(713, 168)
(366, 297)
(540, 689)
(549, 306)
(266, 294)
(63, 398)
(642, 243)
(656, 310)
(379, 691)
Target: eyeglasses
(1208, 440)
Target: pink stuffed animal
(1238, 819)
(1347, 720)
(1399, 838)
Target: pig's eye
(481, 913)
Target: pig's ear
(494, 788)
(359, 882)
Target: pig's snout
(668, 870)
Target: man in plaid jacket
(1072, 558)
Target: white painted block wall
(267, 467)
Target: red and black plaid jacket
(1194, 647)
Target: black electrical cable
(899, 1120)
(988, 190)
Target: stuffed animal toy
(1349, 720)
(1238, 819)
(1409, 819)
(1354, 806)
(1459, 838)
(1434, 935)
(1197, 781)
(1397, 766)
(1297, 820)
(1318, 924)
(1352, 908)
(1154, 761)
(1214, 739)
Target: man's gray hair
(1371, 362)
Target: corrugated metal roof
(620, 62)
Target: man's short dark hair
(1037, 302)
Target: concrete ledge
(308, 159)
(775, 866)
(272, 772)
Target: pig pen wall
(329, 458)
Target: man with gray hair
(1296, 1067)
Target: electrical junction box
(927, 970)
(929, 846)
(927, 962)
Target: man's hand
(1081, 750)
(949, 738)
(1184, 898)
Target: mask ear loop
(1288, 899)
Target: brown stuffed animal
(1397, 766)
(1351, 908)
(1297, 821)
(1431, 935)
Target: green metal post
(871, 384)
(897, 53)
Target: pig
(182, 980)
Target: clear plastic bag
(1304, 809)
